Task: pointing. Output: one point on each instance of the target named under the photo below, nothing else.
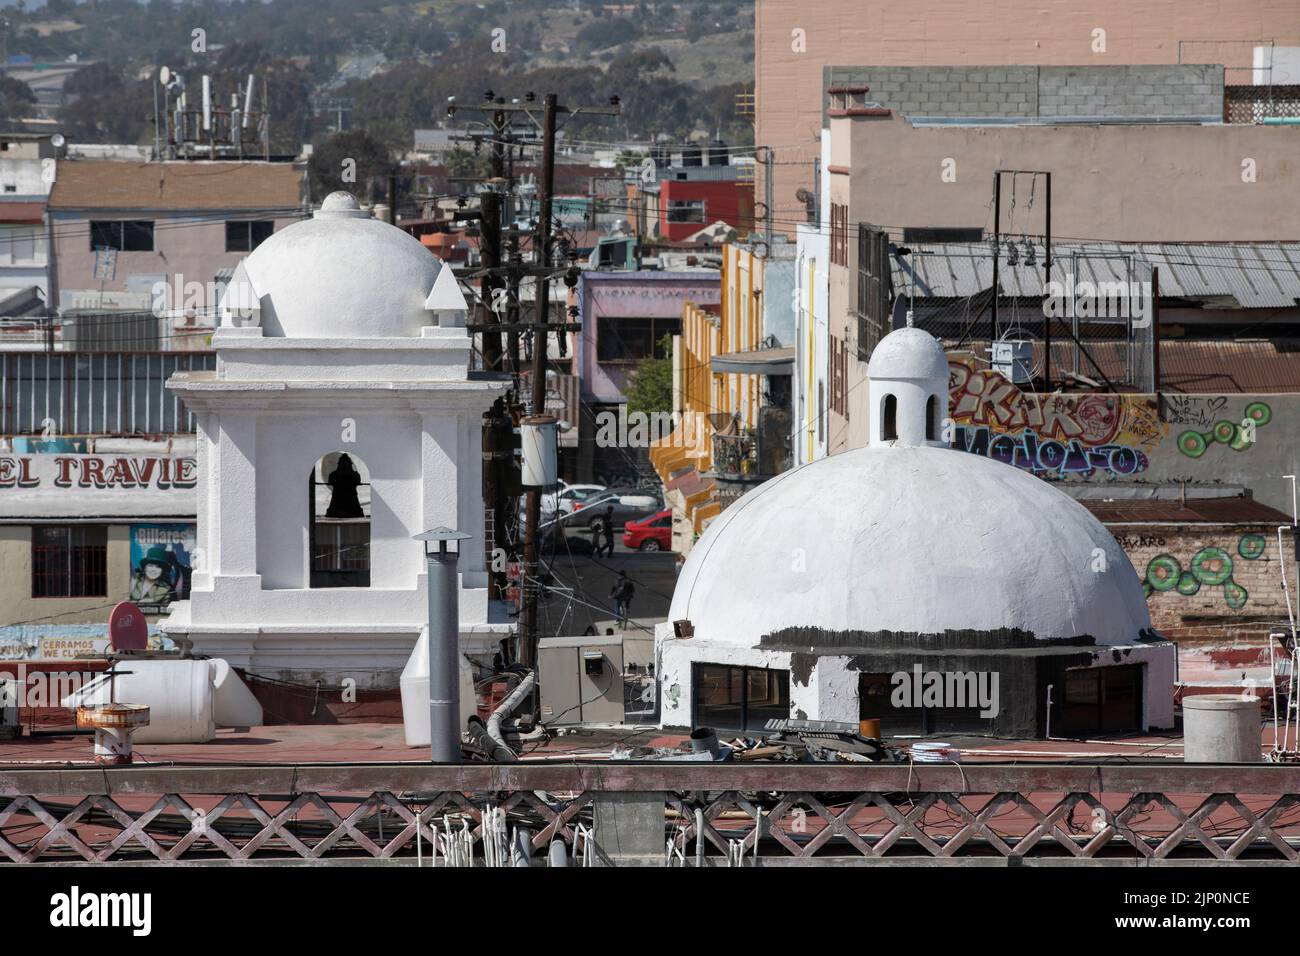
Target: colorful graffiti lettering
(1051, 435)
(1211, 567)
(1236, 435)
(1050, 458)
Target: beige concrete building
(1119, 181)
(183, 224)
(795, 41)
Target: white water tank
(178, 693)
(414, 684)
(537, 438)
(233, 704)
(1221, 728)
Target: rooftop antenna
(248, 100)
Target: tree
(15, 97)
(651, 389)
(353, 161)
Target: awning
(30, 213)
(755, 362)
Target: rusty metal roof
(1186, 365)
(1238, 510)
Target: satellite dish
(164, 76)
(57, 140)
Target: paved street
(591, 578)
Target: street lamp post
(444, 643)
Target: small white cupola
(908, 375)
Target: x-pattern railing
(781, 813)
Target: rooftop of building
(250, 185)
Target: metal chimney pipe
(444, 644)
(444, 664)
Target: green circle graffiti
(1224, 432)
(1259, 413)
(1208, 566)
(1251, 546)
(1163, 572)
(1212, 566)
(1192, 444)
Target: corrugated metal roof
(1254, 275)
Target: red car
(654, 533)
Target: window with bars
(69, 561)
(874, 292)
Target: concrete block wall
(1032, 91)
(946, 90)
(1191, 90)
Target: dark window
(339, 488)
(904, 714)
(621, 339)
(931, 418)
(131, 235)
(686, 210)
(874, 295)
(69, 561)
(246, 235)
(942, 234)
(739, 698)
(889, 419)
(1102, 699)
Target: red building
(688, 205)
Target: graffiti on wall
(1051, 435)
(1207, 430)
(1208, 567)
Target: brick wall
(1221, 628)
(1032, 91)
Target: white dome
(911, 540)
(342, 274)
(909, 354)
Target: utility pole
(490, 240)
(528, 620)
(512, 270)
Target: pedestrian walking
(621, 594)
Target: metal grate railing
(713, 814)
(95, 393)
(1253, 104)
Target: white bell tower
(908, 376)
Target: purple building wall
(630, 295)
